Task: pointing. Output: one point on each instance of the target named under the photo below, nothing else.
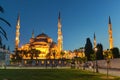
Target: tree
(1, 42)
(13, 58)
(48, 55)
(8, 48)
(62, 53)
(99, 53)
(25, 53)
(18, 56)
(84, 59)
(37, 52)
(78, 60)
(31, 52)
(93, 58)
(4, 46)
(76, 52)
(115, 52)
(2, 31)
(88, 48)
(54, 54)
(108, 55)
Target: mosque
(42, 42)
(47, 49)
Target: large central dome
(43, 38)
(42, 35)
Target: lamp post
(96, 60)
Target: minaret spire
(17, 40)
(59, 16)
(60, 37)
(110, 34)
(94, 41)
(109, 20)
(33, 34)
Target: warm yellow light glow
(59, 62)
(42, 62)
(48, 62)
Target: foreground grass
(51, 74)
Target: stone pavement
(112, 71)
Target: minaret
(94, 41)
(60, 37)
(110, 34)
(17, 40)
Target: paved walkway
(32, 67)
(114, 72)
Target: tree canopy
(115, 52)
(2, 31)
(100, 51)
(88, 49)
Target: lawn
(51, 74)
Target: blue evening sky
(80, 19)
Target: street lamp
(96, 60)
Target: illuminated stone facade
(44, 44)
